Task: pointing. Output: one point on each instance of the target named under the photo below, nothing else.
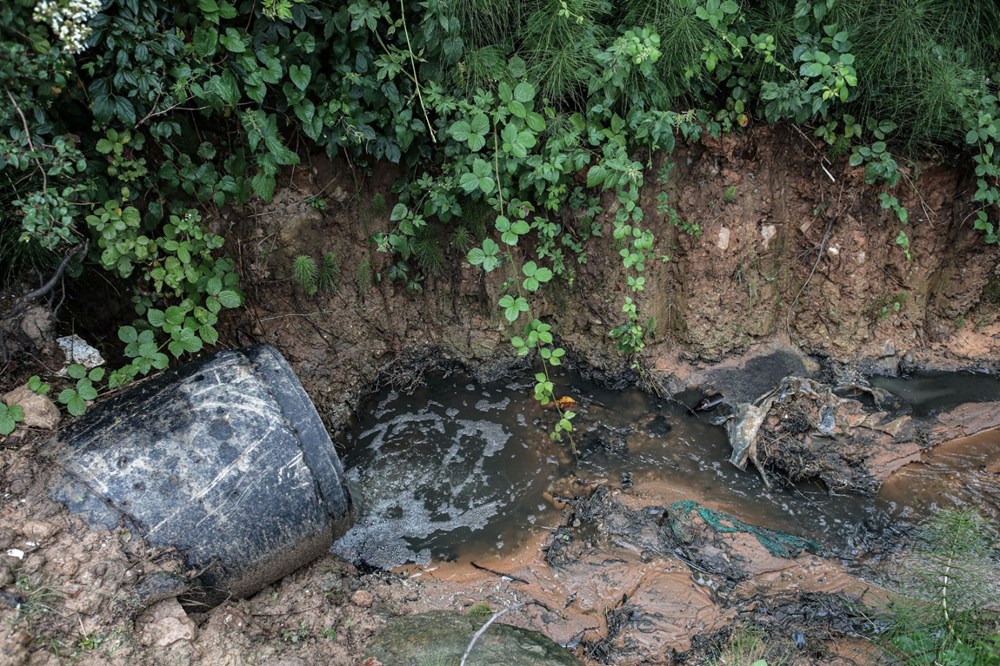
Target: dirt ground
(795, 252)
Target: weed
(462, 239)
(10, 416)
(295, 635)
(40, 599)
(329, 272)
(942, 614)
(91, 641)
(730, 194)
(365, 275)
(37, 386)
(379, 205)
(480, 609)
(664, 208)
(428, 251)
(305, 272)
(747, 646)
(892, 305)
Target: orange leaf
(565, 402)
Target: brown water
(459, 470)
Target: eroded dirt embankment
(787, 254)
(790, 255)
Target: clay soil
(796, 253)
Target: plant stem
(517, 276)
(413, 64)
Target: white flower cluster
(69, 20)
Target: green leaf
(205, 41)
(300, 75)
(469, 182)
(229, 298)
(86, 390)
(535, 121)
(305, 41)
(479, 124)
(264, 185)
(596, 175)
(155, 317)
(76, 371)
(76, 405)
(460, 130)
(208, 334)
(476, 142)
(505, 93)
(233, 41)
(524, 92)
(812, 69)
(398, 213)
(175, 315)
(7, 424)
(127, 334)
(513, 307)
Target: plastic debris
(777, 543)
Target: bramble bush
(518, 124)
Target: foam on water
(423, 479)
(456, 469)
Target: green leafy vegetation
(525, 131)
(10, 416)
(944, 613)
(747, 646)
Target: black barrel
(224, 459)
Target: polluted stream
(458, 469)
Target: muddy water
(929, 392)
(458, 470)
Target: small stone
(888, 349)
(363, 599)
(78, 350)
(331, 582)
(767, 232)
(723, 241)
(39, 410)
(158, 586)
(39, 530)
(165, 623)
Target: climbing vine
(130, 126)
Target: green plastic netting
(777, 543)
